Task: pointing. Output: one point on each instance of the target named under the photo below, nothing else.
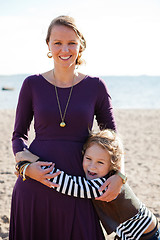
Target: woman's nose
(65, 48)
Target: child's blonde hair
(108, 139)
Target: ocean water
(135, 92)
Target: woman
(63, 103)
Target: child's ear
(83, 152)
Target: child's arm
(77, 186)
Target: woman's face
(64, 45)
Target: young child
(125, 215)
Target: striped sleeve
(135, 227)
(77, 186)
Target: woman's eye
(57, 43)
(72, 43)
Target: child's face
(96, 162)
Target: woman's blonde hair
(109, 140)
(68, 22)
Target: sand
(140, 131)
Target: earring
(49, 54)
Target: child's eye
(101, 162)
(88, 158)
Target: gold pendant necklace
(62, 124)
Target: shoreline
(140, 131)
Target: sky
(123, 36)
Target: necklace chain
(62, 124)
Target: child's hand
(113, 184)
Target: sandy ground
(140, 131)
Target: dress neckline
(77, 84)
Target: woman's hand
(35, 172)
(26, 155)
(113, 185)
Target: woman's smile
(65, 57)
(64, 45)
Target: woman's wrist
(24, 171)
(21, 168)
(122, 176)
(27, 170)
(26, 155)
(19, 156)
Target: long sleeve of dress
(103, 109)
(24, 116)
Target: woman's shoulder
(32, 79)
(92, 79)
(97, 82)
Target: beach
(140, 132)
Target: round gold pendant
(62, 124)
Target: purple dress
(38, 212)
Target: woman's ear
(48, 46)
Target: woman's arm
(105, 118)
(26, 155)
(113, 185)
(24, 116)
(103, 108)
